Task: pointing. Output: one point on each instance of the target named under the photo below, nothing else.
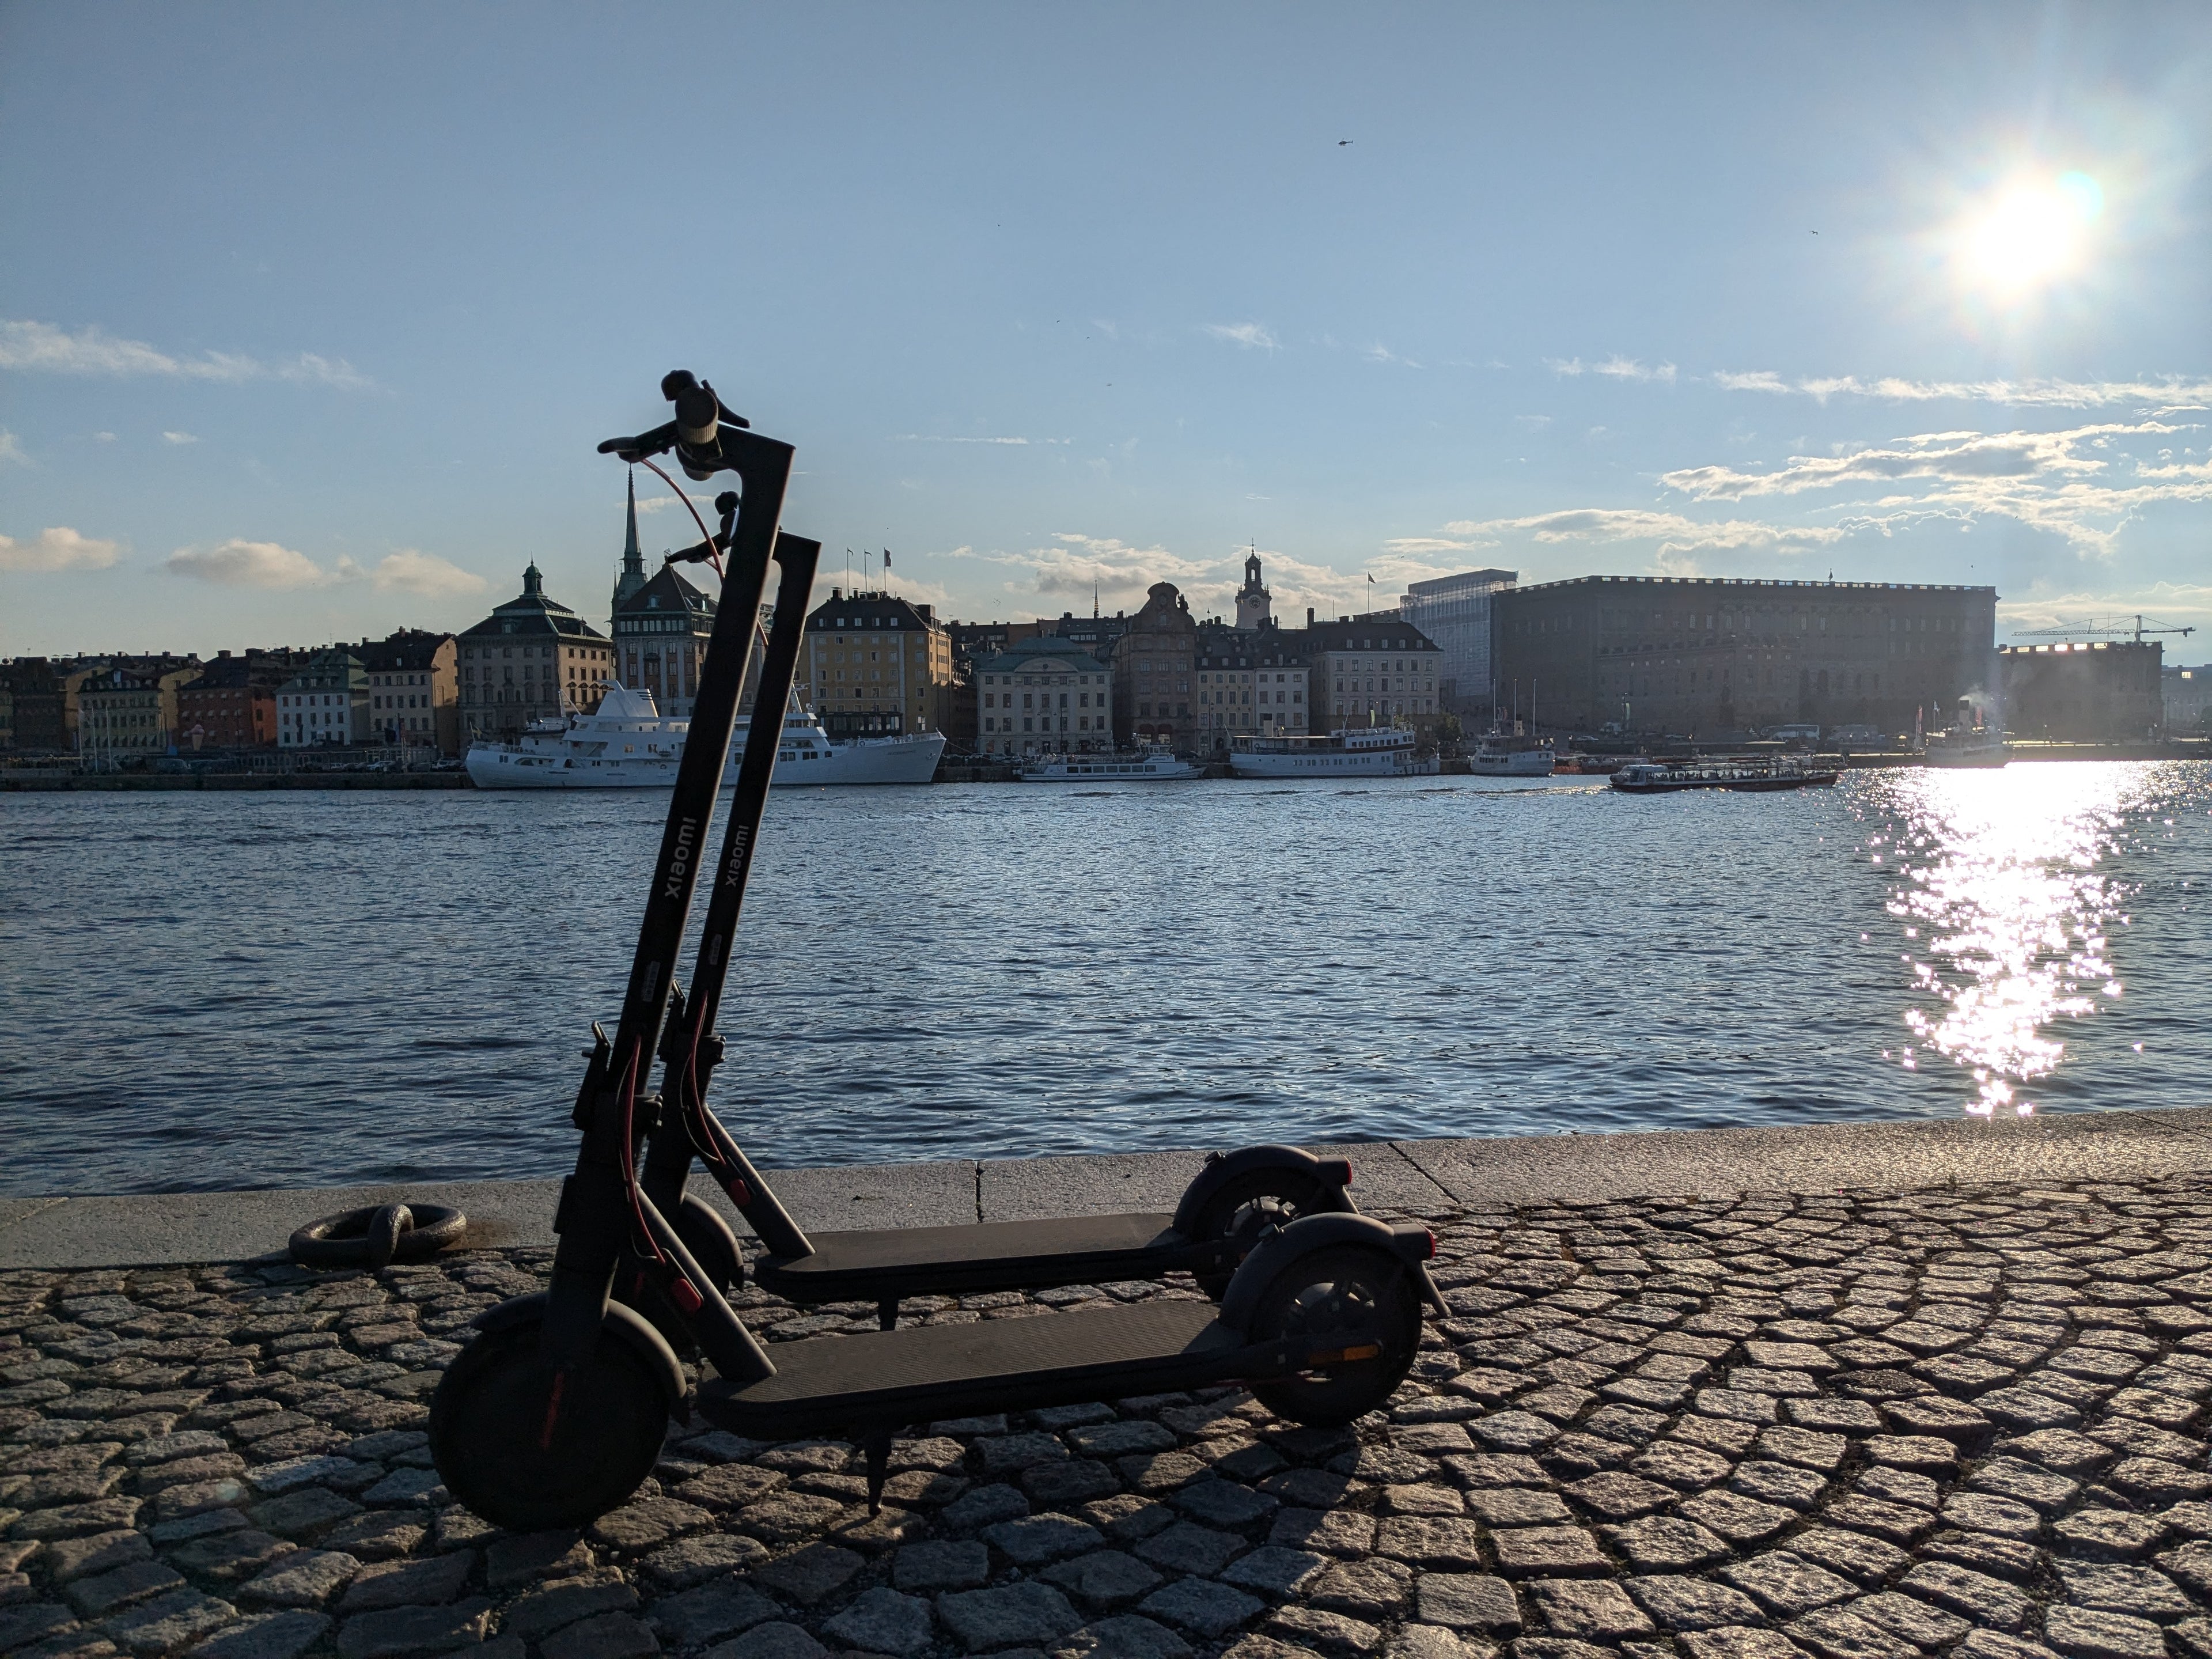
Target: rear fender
(1410, 1244)
(622, 1323)
(1333, 1173)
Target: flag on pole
(887, 558)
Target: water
(204, 991)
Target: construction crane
(2120, 629)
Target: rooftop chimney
(1308, 615)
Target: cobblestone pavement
(1851, 1427)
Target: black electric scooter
(556, 1411)
(1234, 1199)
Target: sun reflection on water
(2009, 917)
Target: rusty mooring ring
(378, 1235)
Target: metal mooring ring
(378, 1235)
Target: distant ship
(1966, 746)
(628, 744)
(1147, 766)
(1511, 755)
(1359, 751)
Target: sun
(2032, 233)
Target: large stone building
(875, 664)
(1043, 696)
(1373, 670)
(45, 695)
(2185, 701)
(1454, 612)
(532, 659)
(1249, 681)
(324, 704)
(1705, 655)
(1153, 665)
(2105, 691)
(413, 689)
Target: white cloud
(179, 438)
(247, 564)
(103, 437)
(412, 571)
(1379, 353)
(41, 348)
(1627, 368)
(1675, 532)
(10, 450)
(275, 567)
(1533, 423)
(1252, 336)
(2173, 392)
(57, 548)
(932, 438)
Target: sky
(310, 318)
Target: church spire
(632, 569)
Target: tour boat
(1357, 751)
(1655, 778)
(1512, 754)
(628, 744)
(1146, 766)
(1974, 745)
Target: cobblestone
(1842, 1425)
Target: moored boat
(1754, 777)
(1515, 754)
(628, 744)
(1371, 751)
(1146, 766)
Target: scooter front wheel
(1357, 1310)
(533, 1449)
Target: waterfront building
(325, 703)
(2093, 691)
(660, 625)
(533, 659)
(37, 705)
(413, 689)
(127, 714)
(1044, 695)
(2185, 700)
(1153, 663)
(1454, 612)
(1698, 654)
(1372, 670)
(876, 666)
(232, 704)
(1249, 681)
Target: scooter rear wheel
(1250, 1205)
(1349, 1296)
(532, 1450)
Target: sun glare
(2032, 233)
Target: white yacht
(1371, 751)
(628, 744)
(1146, 766)
(1502, 754)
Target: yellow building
(875, 664)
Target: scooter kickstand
(877, 1447)
(887, 1314)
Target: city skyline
(315, 329)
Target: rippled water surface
(263, 989)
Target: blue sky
(311, 317)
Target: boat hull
(907, 760)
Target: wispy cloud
(11, 450)
(934, 438)
(1253, 336)
(1379, 353)
(274, 567)
(2082, 484)
(1615, 368)
(2171, 391)
(56, 548)
(42, 348)
(1675, 532)
(179, 438)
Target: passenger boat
(1655, 778)
(1369, 751)
(1146, 766)
(628, 744)
(1976, 746)
(1514, 754)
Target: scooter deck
(889, 1378)
(892, 1263)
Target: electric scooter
(556, 1411)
